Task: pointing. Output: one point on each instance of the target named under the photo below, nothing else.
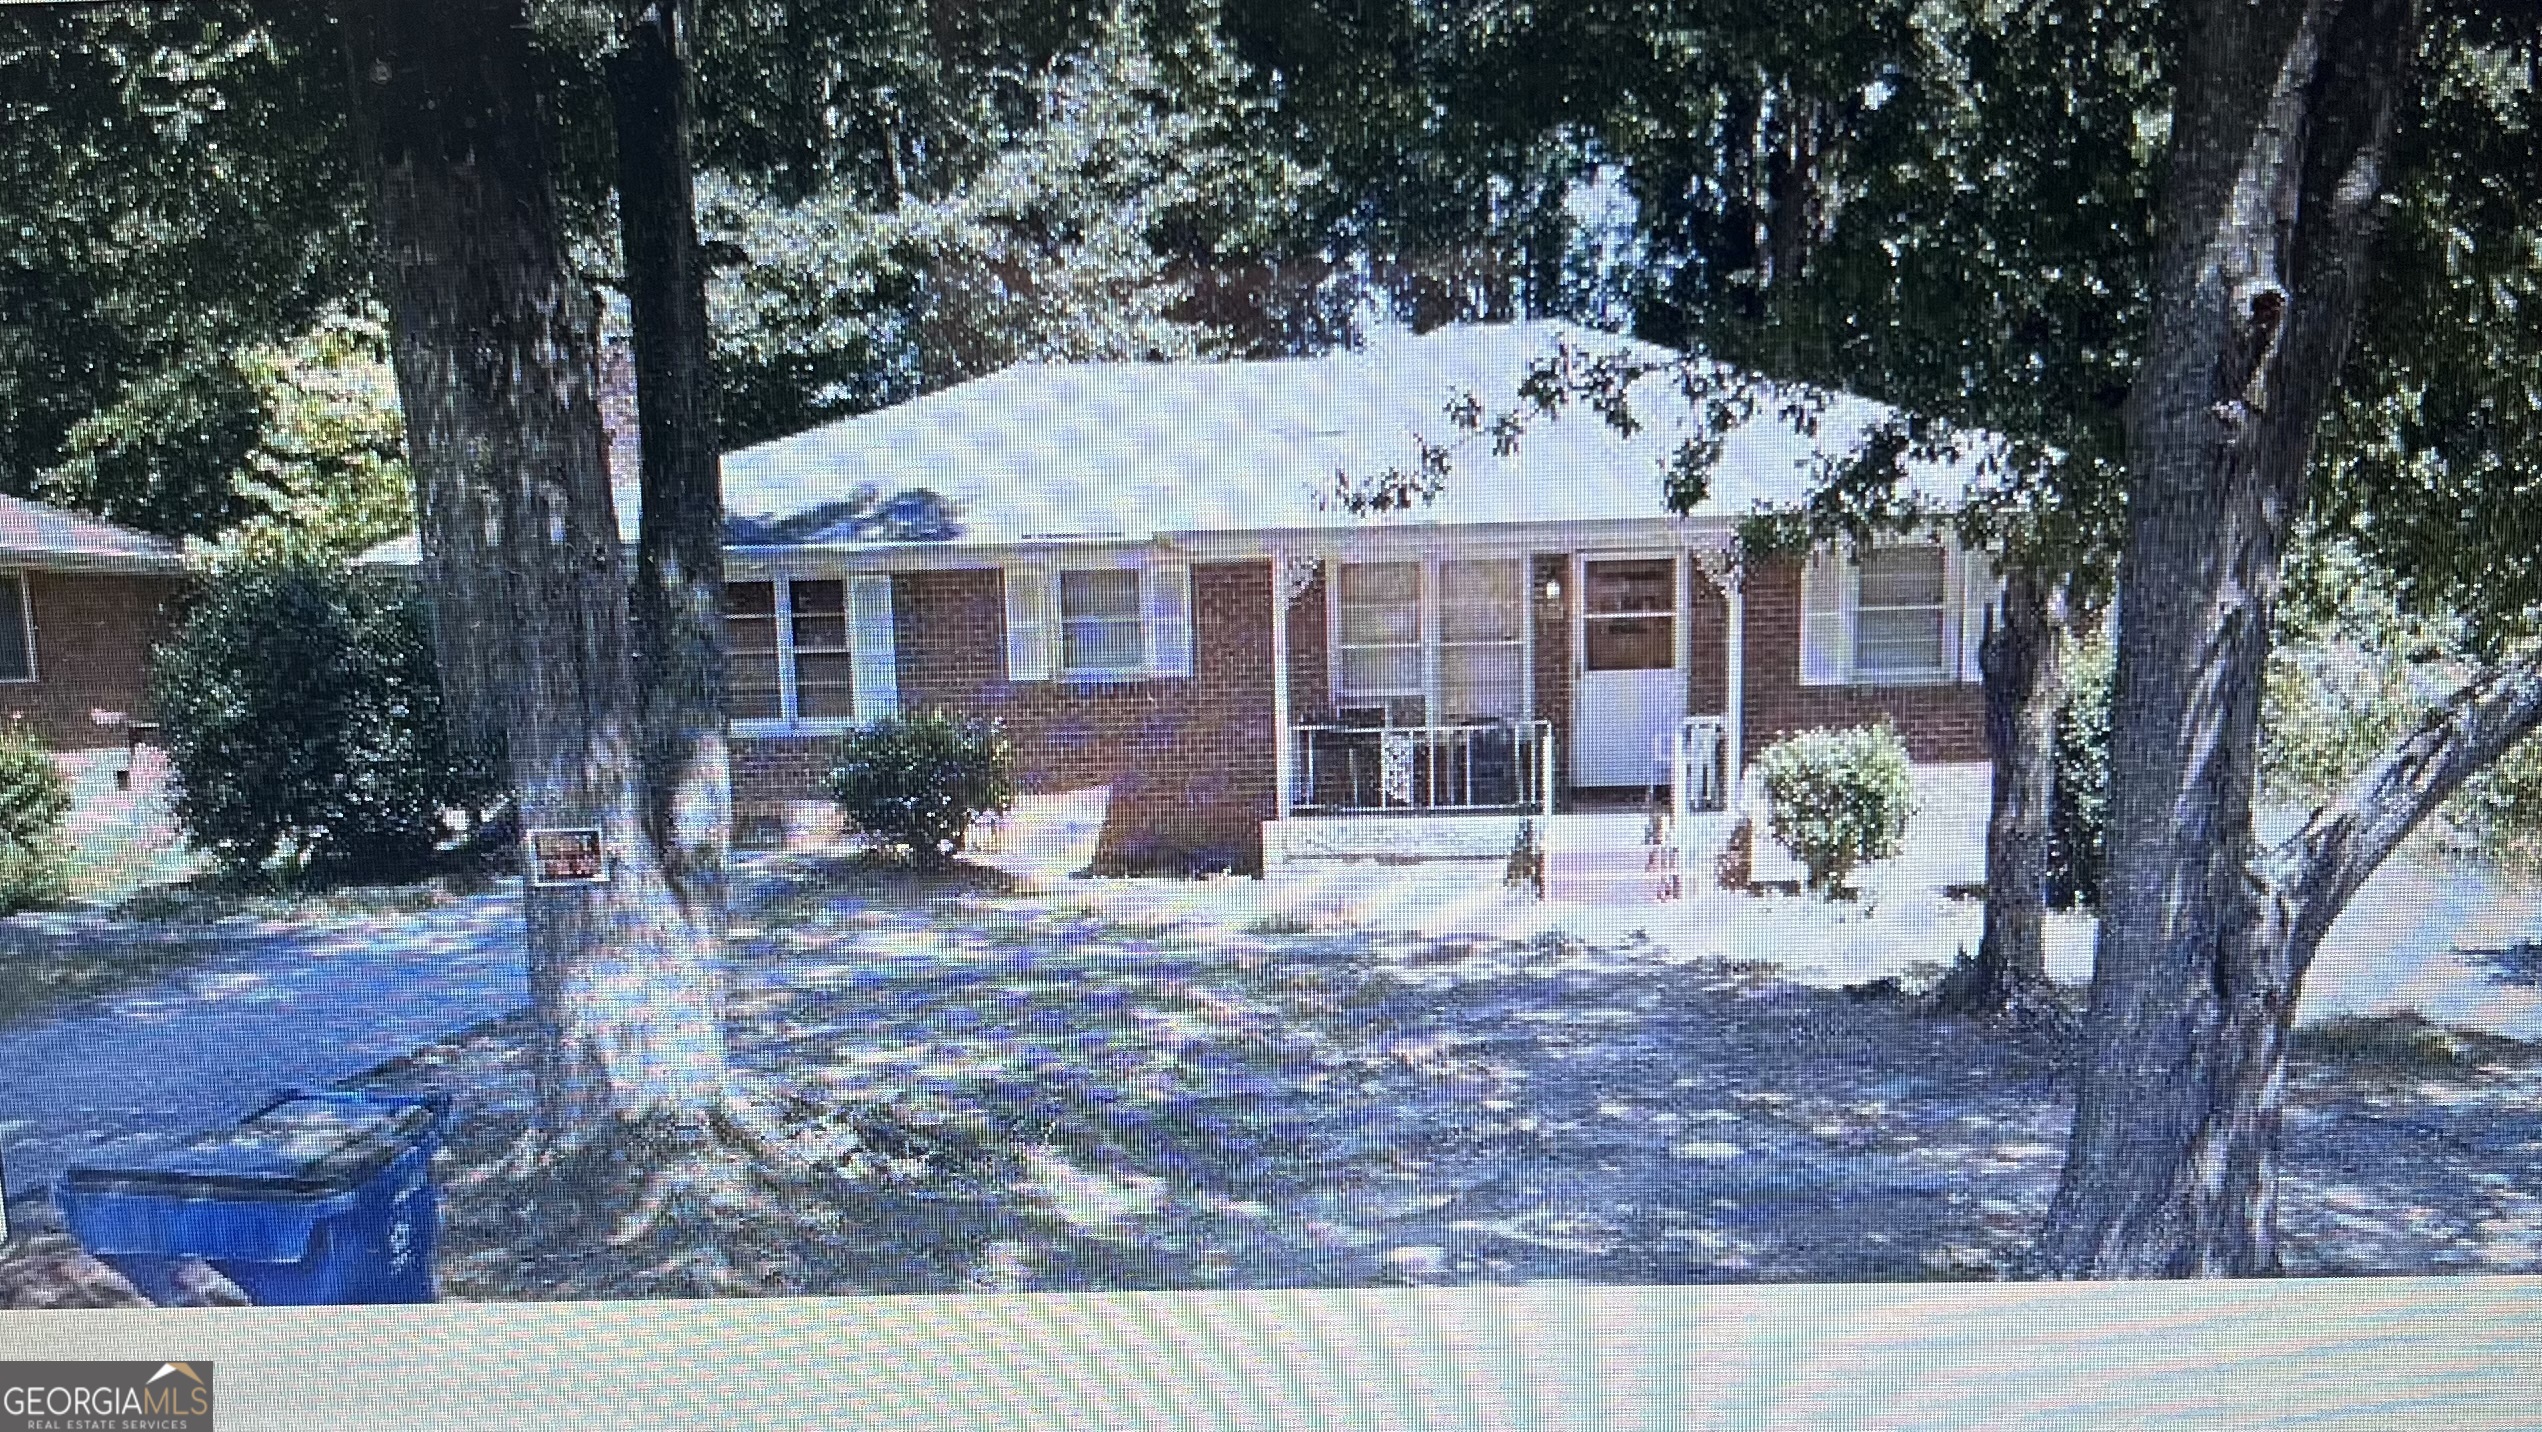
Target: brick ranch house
(82, 602)
(1137, 571)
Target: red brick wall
(1707, 648)
(93, 635)
(1940, 723)
(1553, 657)
(1188, 760)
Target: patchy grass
(40, 970)
(213, 897)
(1281, 924)
(2402, 1045)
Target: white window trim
(26, 628)
(1958, 662)
(1061, 671)
(1166, 656)
(1431, 624)
(789, 721)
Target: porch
(1429, 695)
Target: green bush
(920, 782)
(33, 799)
(1837, 799)
(2078, 810)
(303, 717)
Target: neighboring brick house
(82, 602)
(1137, 570)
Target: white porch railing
(1698, 758)
(1478, 765)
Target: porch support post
(1283, 778)
(1734, 674)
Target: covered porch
(1427, 700)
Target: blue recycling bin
(321, 1196)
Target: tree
(679, 591)
(2283, 150)
(495, 351)
(176, 185)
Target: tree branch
(2315, 871)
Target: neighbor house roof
(35, 535)
(1128, 451)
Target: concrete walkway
(280, 1004)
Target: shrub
(1837, 799)
(2078, 809)
(303, 717)
(920, 782)
(33, 799)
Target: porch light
(1551, 591)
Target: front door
(1629, 687)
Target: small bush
(1837, 799)
(302, 710)
(920, 782)
(33, 799)
(2078, 811)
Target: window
(1629, 615)
(17, 630)
(1895, 615)
(750, 641)
(1901, 614)
(1431, 642)
(1482, 640)
(1101, 630)
(822, 685)
(1378, 638)
(795, 649)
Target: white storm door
(1628, 683)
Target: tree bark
(2023, 683)
(495, 351)
(680, 537)
(2279, 137)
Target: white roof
(1131, 451)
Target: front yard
(1005, 1091)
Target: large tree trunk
(680, 541)
(2279, 136)
(2018, 659)
(495, 353)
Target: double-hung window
(1129, 620)
(1378, 646)
(1102, 626)
(1425, 642)
(816, 652)
(17, 629)
(1899, 614)
(1482, 640)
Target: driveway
(282, 1002)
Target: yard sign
(567, 856)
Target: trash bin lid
(300, 1146)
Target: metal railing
(1466, 765)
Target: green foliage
(159, 457)
(2432, 454)
(327, 476)
(2353, 671)
(33, 799)
(1076, 239)
(2078, 810)
(920, 782)
(1837, 799)
(178, 181)
(304, 722)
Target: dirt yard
(999, 1090)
